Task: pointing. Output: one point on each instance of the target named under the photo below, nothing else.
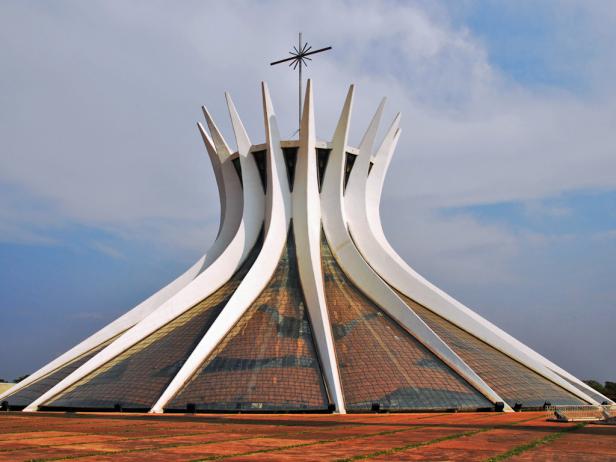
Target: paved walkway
(242, 437)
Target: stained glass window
(511, 380)
(593, 394)
(261, 161)
(380, 362)
(268, 360)
(30, 393)
(322, 159)
(137, 377)
(348, 166)
(290, 160)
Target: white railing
(587, 413)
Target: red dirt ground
(295, 437)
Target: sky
(502, 190)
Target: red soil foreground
(294, 437)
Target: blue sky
(535, 43)
(503, 189)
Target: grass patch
(534, 444)
(311, 443)
(119, 440)
(176, 445)
(387, 452)
(298, 445)
(406, 447)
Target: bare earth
(298, 437)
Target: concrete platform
(293, 437)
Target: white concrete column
(206, 283)
(277, 218)
(142, 310)
(363, 197)
(307, 229)
(362, 275)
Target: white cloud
(107, 249)
(103, 129)
(455, 249)
(605, 235)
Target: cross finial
(299, 58)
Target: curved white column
(228, 188)
(373, 181)
(277, 218)
(307, 230)
(362, 201)
(362, 275)
(206, 283)
(253, 212)
(111, 330)
(231, 202)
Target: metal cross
(298, 58)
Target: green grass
(313, 443)
(534, 444)
(318, 442)
(175, 445)
(310, 443)
(387, 452)
(406, 447)
(119, 440)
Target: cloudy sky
(502, 191)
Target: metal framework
(299, 57)
(301, 304)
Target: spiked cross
(299, 58)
